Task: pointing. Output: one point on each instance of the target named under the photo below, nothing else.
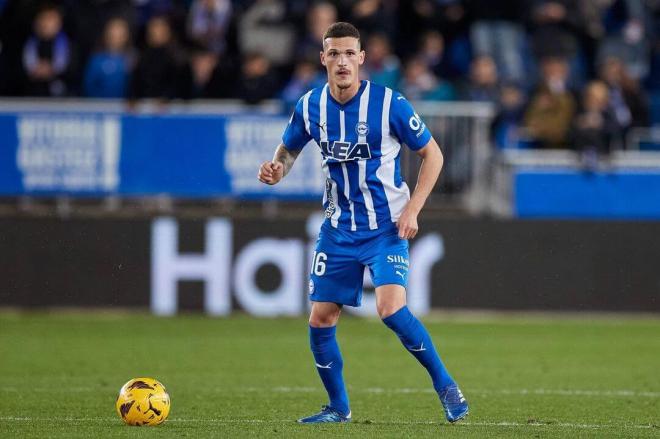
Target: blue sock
(329, 365)
(417, 340)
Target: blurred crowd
(561, 73)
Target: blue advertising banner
(570, 193)
(95, 154)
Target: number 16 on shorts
(318, 263)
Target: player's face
(342, 59)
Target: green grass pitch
(245, 377)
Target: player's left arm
(409, 128)
(429, 171)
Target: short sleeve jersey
(360, 142)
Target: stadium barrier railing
(462, 129)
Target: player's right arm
(295, 137)
(272, 172)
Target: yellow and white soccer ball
(143, 401)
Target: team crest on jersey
(362, 129)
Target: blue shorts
(341, 257)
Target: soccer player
(370, 216)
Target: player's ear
(322, 53)
(361, 57)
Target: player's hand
(271, 172)
(407, 223)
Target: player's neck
(343, 95)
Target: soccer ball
(143, 401)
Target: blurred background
(131, 132)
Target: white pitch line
(377, 390)
(291, 421)
(51, 389)
(554, 392)
(625, 393)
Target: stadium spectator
(556, 31)
(432, 51)
(258, 80)
(626, 36)
(85, 21)
(108, 71)
(148, 9)
(419, 83)
(552, 107)
(497, 31)
(555, 27)
(588, 34)
(207, 75)
(264, 28)
(319, 17)
(483, 85)
(626, 100)
(372, 15)
(506, 125)
(594, 128)
(306, 76)
(653, 79)
(446, 16)
(47, 55)
(208, 22)
(16, 27)
(156, 73)
(4, 76)
(381, 65)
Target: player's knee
(324, 315)
(322, 322)
(325, 320)
(387, 309)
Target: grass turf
(246, 377)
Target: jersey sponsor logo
(397, 259)
(345, 151)
(415, 123)
(362, 128)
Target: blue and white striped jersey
(360, 143)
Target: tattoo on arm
(286, 157)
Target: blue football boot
(327, 414)
(455, 404)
